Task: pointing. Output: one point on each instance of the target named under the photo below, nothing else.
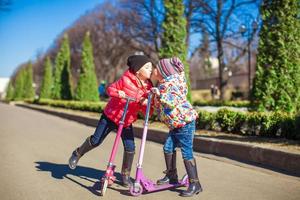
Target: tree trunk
(219, 38)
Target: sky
(31, 26)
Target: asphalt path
(35, 147)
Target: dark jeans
(181, 137)
(105, 126)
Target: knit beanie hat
(136, 62)
(170, 66)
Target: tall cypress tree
(28, 83)
(47, 83)
(277, 81)
(87, 88)
(9, 92)
(62, 76)
(19, 85)
(174, 35)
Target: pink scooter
(109, 178)
(142, 184)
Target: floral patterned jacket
(173, 108)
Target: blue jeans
(181, 137)
(105, 126)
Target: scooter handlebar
(128, 98)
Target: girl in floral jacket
(177, 113)
(134, 83)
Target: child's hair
(170, 66)
(136, 62)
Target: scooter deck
(156, 187)
(150, 186)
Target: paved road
(35, 147)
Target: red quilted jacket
(132, 88)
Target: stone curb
(284, 162)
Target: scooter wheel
(185, 180)
(104, 184)
(136, 190)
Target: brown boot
(126, 168)
(194, 186)
(79, 152)
(171, 172)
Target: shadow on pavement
(61, 171)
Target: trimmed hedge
(223, 103)
(74, 105)
(268, 124)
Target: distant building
(203, 74)
(3, 84)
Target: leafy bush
(75, 105)
(206, 120)
(230, 121)
(268, 124)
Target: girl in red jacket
(135, 83)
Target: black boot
(171, 172)
(80, 151)
(194, 186)
(126, 168)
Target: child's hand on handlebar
(144, 101)
(155, 91)
(121, 94)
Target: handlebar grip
(126, 97)
(130, 98)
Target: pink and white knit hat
(170, 66)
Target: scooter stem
(143, 143)
(119, 132)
